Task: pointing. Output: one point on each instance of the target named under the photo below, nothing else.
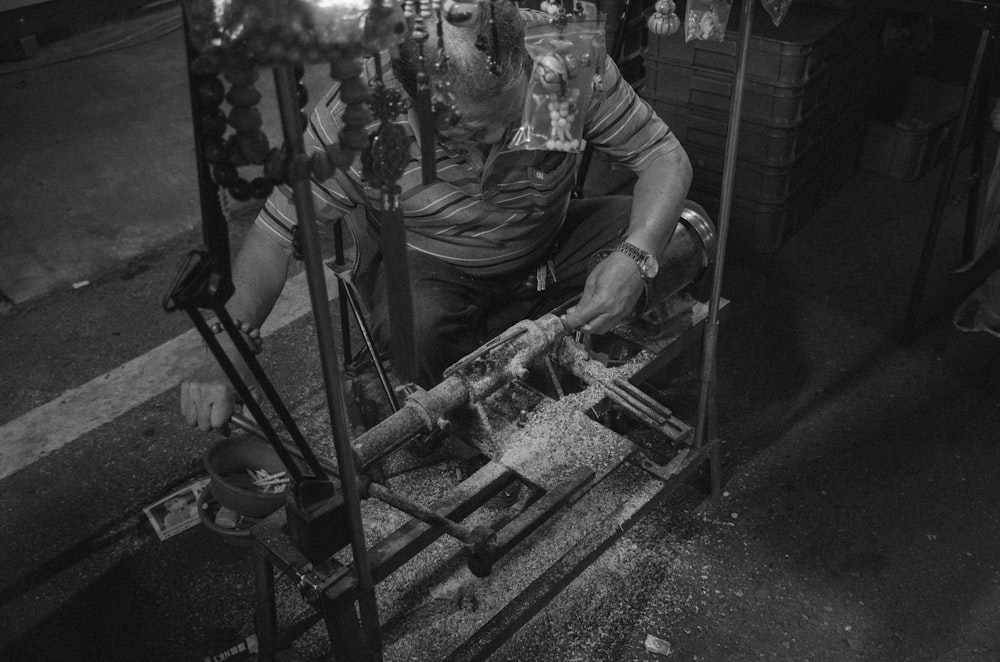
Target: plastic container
(763, 103)
(706, 130)
(909, 147)
(807, 41)
(701, 89)
(774, 184)
(764, 227)
(228, 462)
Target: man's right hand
(208, 399)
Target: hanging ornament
(443, 103)
(664, 20)
(551, 7)
(778, 9)
(388, 152)
(247, 144)
(553, 72)
(422, 103)
(490, 46)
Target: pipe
(422, 410)
(287, 93)
(706, 396)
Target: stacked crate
(802, 121)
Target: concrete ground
(859, 520)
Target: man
(497, 237)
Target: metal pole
(706, 400)
(286, 88)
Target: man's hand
(208, 399)
(610, 294)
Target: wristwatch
(648, 266)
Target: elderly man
(497, 236)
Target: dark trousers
(454, 313)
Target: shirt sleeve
(625, 127)
(339, 195)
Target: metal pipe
(413, 509)
(366, 333)
(706, 396)
(268, 432)
(423, 409)
(287, 93)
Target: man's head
(485, 101)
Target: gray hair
(468, 68)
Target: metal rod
(338, 261)
(214, 228)
(420, 512)
(287, 93)
(271, 393)
(630, 406)
(245, 424)
(706, 396)
(366, 334)
(650, 407)
(226, 363)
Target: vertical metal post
(706, 399)
(910, 325)
(286, 89)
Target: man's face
(486, 122)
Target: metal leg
(266, 615)
(344, 631)
(910, 326)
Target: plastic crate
(706, 129)
(807, 41)
(774, 184)
(772, 105)
(697, 89)
(909, 147)
(762, 227)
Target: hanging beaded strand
(490, 46)
(445, 110)
(387, 151)
(422, 102)
(247, 144)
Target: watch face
(650, 267)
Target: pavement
(859, 518)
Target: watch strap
(639, 256)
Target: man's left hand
(610, 294)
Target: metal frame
(335, 590)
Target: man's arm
(615, 284)
(259, 273)
(626, 128)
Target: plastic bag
(706, 20)
(566, 75)
(777, 9)
(295, 30)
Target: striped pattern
(487, 216)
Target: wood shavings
(268, 483)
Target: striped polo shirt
(486, 214)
